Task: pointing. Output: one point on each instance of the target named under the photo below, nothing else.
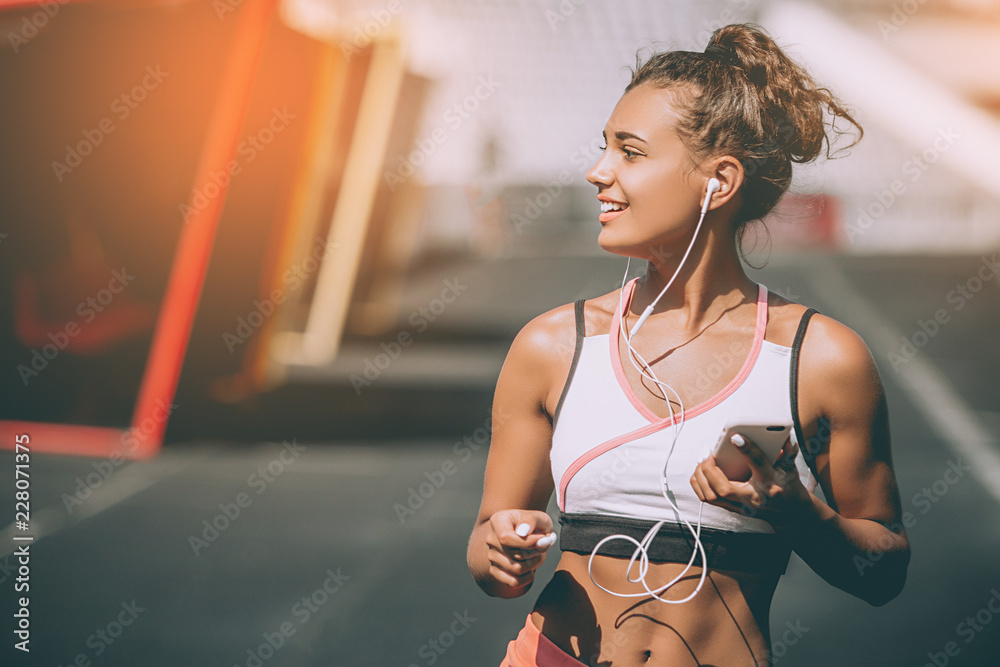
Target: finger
(508, 579)
(696, 484)
(524, 554)
(788, 453)
(759, 465)
(516, 567)
(539, 542)
(723, 486)
(520, 554)
(522, 529)
(537, 522)
(707, 494)
(739, 497)
(736, 506)
(545, 541)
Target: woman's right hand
(518, 541)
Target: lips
(611, 210)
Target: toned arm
(518, 481)
(858, 543)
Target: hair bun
(723, 54)
(726, 49)
(746, 98)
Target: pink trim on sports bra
(656, 422)
(616, 362)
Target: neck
(712, 274)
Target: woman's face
(647, 170)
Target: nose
(600, 174)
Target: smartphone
(768, 436)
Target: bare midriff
(725, 624)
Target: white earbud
(713, 187)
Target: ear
(729, 171)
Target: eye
(629, 155)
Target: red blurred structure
(187, 276)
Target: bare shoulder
(837, 353)
(540, 357)
(838, 377)
(553, 333)
(829, 345)
(837, 374)
(541, 352)
(546, 336)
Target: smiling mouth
(610, 211)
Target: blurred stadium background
(261, 262)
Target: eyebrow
(622, 135)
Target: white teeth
(611, 206)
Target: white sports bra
(608, 448)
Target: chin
(623, 247)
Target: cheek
(652, 190)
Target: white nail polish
(523, 529)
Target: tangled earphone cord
(641, 546)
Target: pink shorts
(533, 649)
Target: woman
(699, 145)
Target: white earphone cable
(677, 424)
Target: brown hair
(746, 98)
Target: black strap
(580, 331)
(793, 391)
(673, 543)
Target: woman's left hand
(773, 493)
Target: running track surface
(320, 550)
